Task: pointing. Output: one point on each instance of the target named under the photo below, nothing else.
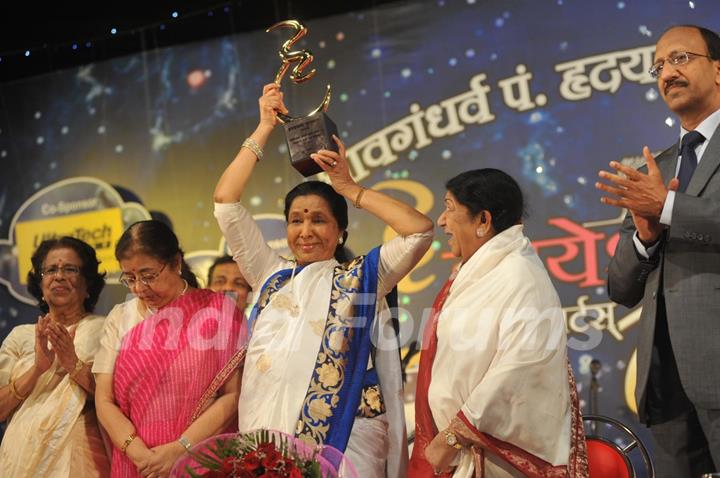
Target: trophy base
(306, 136)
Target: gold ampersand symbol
(302, 58)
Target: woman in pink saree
(168, 370)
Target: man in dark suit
(668, 259)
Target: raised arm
(232, 183)
(402, 218)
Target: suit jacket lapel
(667, 162)
(709, 163)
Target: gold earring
(480, 233)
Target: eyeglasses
(676, 58)
(67, 271)
(145, 279)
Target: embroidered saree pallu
(340, 380)
(311, 368)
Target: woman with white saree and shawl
(168, 369)
(495, 394)
(312, 368)
(46, 387)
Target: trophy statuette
(307, 134)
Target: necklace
(68, 321)
(153, 310)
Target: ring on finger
(333, 164)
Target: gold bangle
(252, 145)
(359, 197)
(127, 442)
(15, 393)
(79, 364)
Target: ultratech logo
(101, 229)
(98, 238)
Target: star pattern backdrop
(548, 90)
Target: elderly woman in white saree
(46, 386)
(312, 367)
(495, 394)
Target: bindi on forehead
(306, 211)
(60, 256)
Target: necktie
(688, 160)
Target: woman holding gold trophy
(314, 368)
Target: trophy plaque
(304, 135)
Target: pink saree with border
(172, 365)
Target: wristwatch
(451, 440)
(185, 443)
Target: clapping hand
(62, 343)
(641, 194)
(44, 357)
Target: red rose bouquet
(262, 453)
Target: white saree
(501, 355)
(51, 433)
(287, 338)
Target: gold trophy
(305, 134)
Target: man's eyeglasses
(675, 59)
(145, 279)
(67, 271)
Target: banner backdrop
(548, 90)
